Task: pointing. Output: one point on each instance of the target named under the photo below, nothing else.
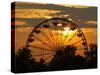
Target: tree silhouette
(70, 50)
(55, 64)
(23, 63)
(92, 56)
(62, 60)
(24, 54)
(93, 50)
(71, 60)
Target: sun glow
(67, 31)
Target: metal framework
(55, 34)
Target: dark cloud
(83, 14)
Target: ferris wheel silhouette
(54, 35)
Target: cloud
(90, 22)
(34, 13)
(31, 14)
(19, 22)
(24, 29)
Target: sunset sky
(29, 15)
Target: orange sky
(29, 15)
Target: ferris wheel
(53, 35)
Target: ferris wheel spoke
(58, 37)
(70, 39)
(47, 58)
(43, 42)
(65, 38)
(42, 48)
(55, 35)
(46, 37)
(77, 42)
(54, 24)
(58, 28)
(43, 54)
(52, 34)
(61, 39)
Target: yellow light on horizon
(70, 19)
(66, 31)
(59, 24)
(69, 32)
(66, 28)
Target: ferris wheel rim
(64, 20)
